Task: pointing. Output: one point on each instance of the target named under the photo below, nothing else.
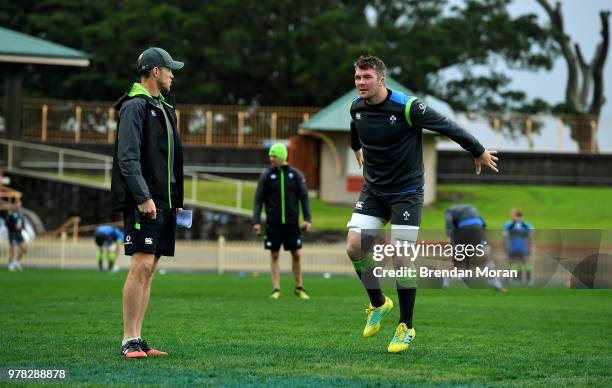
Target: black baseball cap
(157, 57)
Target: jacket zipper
(166, 121)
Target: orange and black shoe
(132, 349)
(150, 351)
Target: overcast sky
(583, 25)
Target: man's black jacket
(141, 160)
(280, 189)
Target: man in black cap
(147, 185)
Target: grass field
(223, 330)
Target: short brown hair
(371, 62)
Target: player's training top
(390, 134)
(14, 221)
(462, 216)
(517, 235)
(280, 189)
(111, 232)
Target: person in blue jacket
(518, 239)
(108, 238)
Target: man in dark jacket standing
(147, 186)
(281, 188)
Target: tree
(287, 53)
(426, 37)
(584, 79)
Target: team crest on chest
(392, 119)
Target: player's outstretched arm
(487, 159)
(425, 117)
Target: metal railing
(208, 189)
(55, 161)
(228, 194)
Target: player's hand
(487, 159)
(147, 208)
(359, 157)
(257, 229)
(306, 226)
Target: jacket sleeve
(355, 142)
(129, 139)
(304, 199)
(260, 193)
(425, 117)
(178, 171)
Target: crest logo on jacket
(392, 119)
(153, 113)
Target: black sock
(406, 298)
(372, 286)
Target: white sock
(125, 341)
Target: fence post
(528, 129)
(559, 135)
(109, 131)
(209, 127)
(240, 129)
(194, 187)
(63, 250)
(77, 126)
(593, 136)
(220, 255)
(60, 163)
(497, 127)
(273, 125)
(43, 125)
(239, 195)
(75, 230)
